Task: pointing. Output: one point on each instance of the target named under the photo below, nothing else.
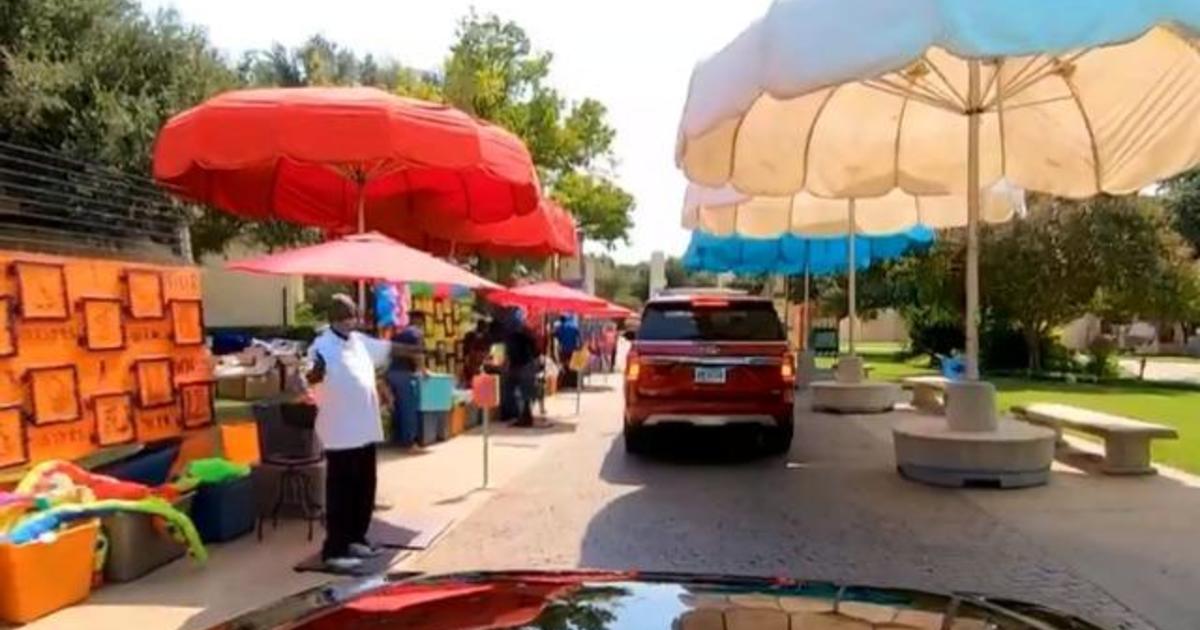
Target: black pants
(349, 498)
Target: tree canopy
(98, 78)
(494, 72)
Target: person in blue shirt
(402, 380)
(569, 338)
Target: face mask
(344, 326)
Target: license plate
(710, 375)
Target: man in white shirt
(344, 387)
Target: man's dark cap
(341, 306)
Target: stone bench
(1126, 441)
(929, 392)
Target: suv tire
(778, 441)
(635, 441)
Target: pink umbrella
(550, 296)
(370, 256)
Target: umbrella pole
(852, 282)
(362, 227)
(807, 312)
(486, 414)
(973, 122)
(787, 305)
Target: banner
(97, 352)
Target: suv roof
(702, 291)
(686, 294)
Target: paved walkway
(246, 574)
(1164, 370)
(1117, 550)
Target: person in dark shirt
(402, 380)
(521, 367)
(475, 350)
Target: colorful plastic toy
(39, 524)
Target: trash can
(137, 545)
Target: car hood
(620, 601)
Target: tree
(493, 72)
(97, 78)
(600, 208)
(1182, 195)
(1039, 271)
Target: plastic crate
(458, 419)
(437, 392)
(224, 511)
(434, 427)
(150, 466)
(137, 545)
(39, 578)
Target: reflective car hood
(627, 601)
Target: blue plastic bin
(224, 511)
(150, 466)
(437, 392)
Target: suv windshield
(739, 320)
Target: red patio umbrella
(608, 311)
(548, 231)
(550, 296)
(344, 159)
(370, 256)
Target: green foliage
(1182, 196)
(97, 78)
(601, 209)
(494, 73)
(1117, 257)
(1039, 272)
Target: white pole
(486, 414)
(807, 312)
(973, 120)
(853, 300)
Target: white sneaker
(360, 551)
(343, 563)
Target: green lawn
(1174, 405)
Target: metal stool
(295, 488)
(290, 445)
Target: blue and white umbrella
(795, 255)
(797, 228)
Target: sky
(635, 56)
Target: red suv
(709, 359)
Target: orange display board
(91, 355)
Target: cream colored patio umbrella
(853, 98)
(728, 212)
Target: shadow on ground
(832, 509)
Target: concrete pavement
(1116, 550)
(444, 482)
